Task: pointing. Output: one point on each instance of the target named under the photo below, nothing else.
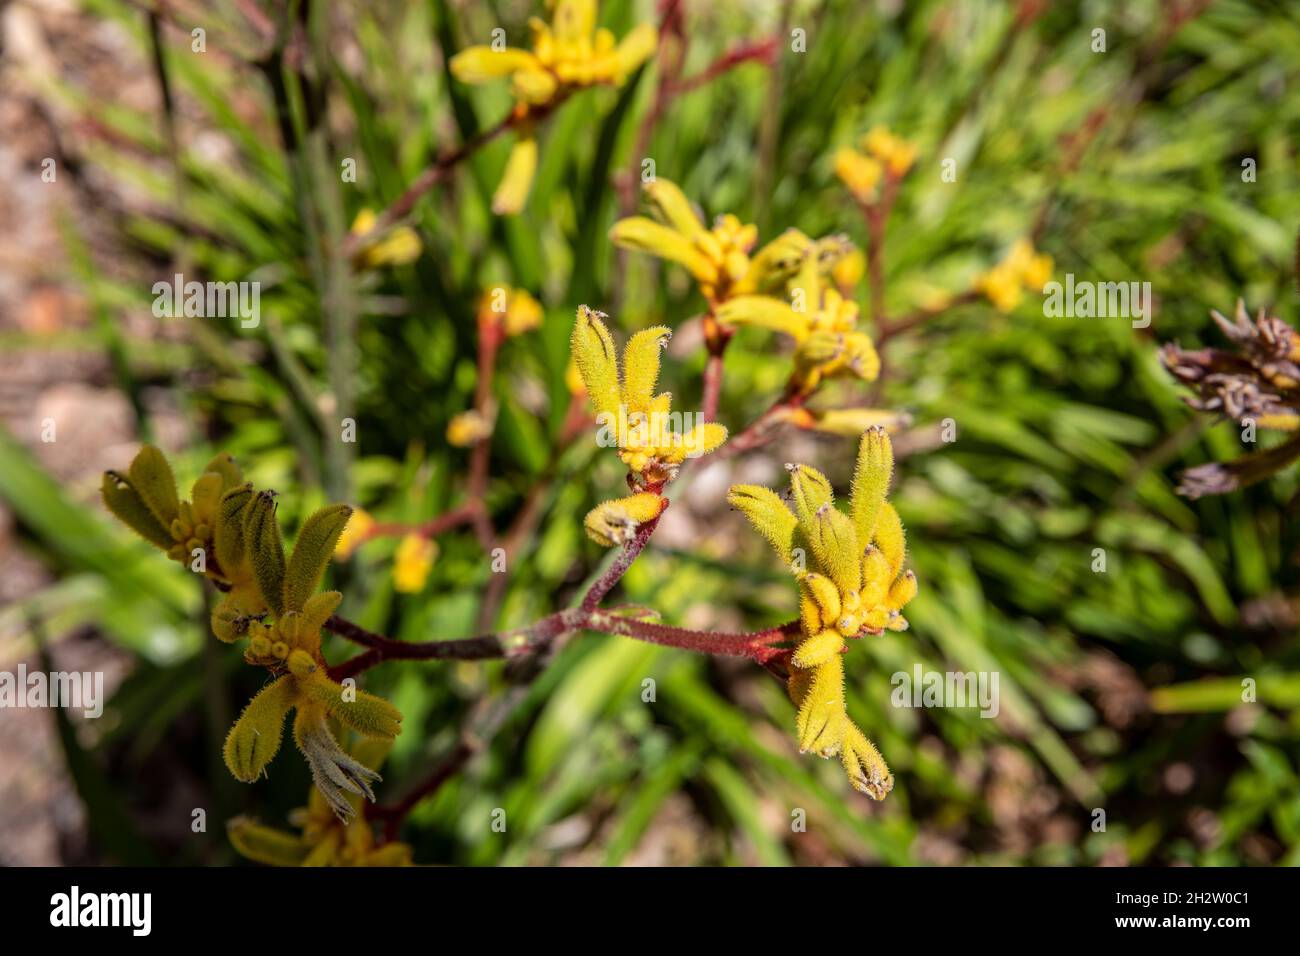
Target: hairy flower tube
(717, 258)
(1258, 381)
(146, 500)
(652, 440)
(283, 633)
(852, 584)
(822, 323)
(323, 839)
(570, 53)
(1022, 270)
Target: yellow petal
(573, 20)
(765, 312)
(852, 422)
(479, 64)
(646, 235)
(674, 206)
(413, 562)
(517, 181)
(637, 47)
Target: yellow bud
(827, 596)
(412, 563)
(815, 651)
(616, 522)
(468, 428)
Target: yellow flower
(468, 428)
(398, 247)
(356, 531)
(323, 840)
(1021, 270)
(413, 562)
(718, 258)
(653, 441)
(513, 311)
(196, 532)
(860, 174)
(822, 323)
(896, 153)
(282, 617)
(853, 584)
(568, 54)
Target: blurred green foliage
(1069, 434)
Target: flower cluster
(269, 599)
(851, 583)
(1257, 382)
(568, 54)
(323, 840)
(881, 152)
(1021, 270)
(719, 258)
(650, 437)
(784, 286)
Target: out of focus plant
(1256, 384)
